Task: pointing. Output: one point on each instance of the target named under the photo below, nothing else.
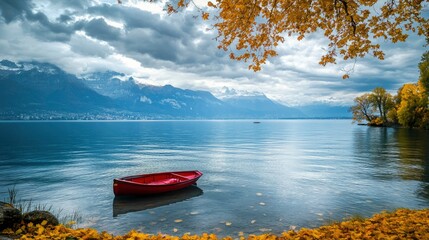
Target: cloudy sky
(139, 39)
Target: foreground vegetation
(400, 224)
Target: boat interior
(163, 178)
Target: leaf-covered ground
(401, 224)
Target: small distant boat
(154, 183)
(256, 122)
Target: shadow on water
(127, 204)
(392, 154)
(378, 151)
(414, 158)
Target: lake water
(265, 177)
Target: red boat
(154, 183)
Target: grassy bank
(400, 224)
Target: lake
(266, 177)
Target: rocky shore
(12, 220)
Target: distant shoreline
(167, 120)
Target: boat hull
(155, 183)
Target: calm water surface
(257, 177)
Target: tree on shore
(412, 105)
(424, 70)
(409, 108)
(363, 110)
(367, 104)
(381, 100)
(412, 108)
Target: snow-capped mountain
(34, 90)
(32, 87)
(165, 100)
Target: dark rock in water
(9, 216)
(38, 216)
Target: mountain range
(34, 90)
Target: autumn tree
(382, 101)
(412, 110)
(424, 70)
(252, 29)
(412, 99)
(363, 109)
(409, 107)
(392, 114)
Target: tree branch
(351, 17)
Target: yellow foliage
(413, 106)
(252, 28)
(205, 16)
(181, 3)
(40, 230)
(211, 4)
(377, 122)
(401, 224)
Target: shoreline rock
(9, 216)
(38, 216)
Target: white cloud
(141, 40)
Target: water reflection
(126, 204)
(394, 155)
(414, 158)
(377, 151)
